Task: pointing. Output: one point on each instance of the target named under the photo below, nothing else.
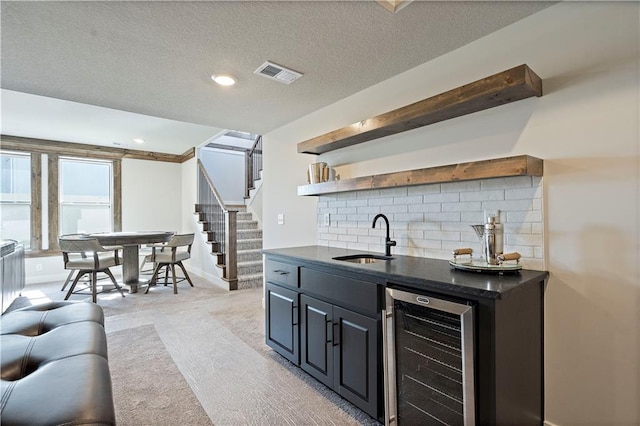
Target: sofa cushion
(69, 391)
(39, 319)
(22, 355)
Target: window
(85, 196)
(15, 197)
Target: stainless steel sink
(363, 258)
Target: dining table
(131, 241)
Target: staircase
(248, 249)
(230, 230)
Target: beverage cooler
(428, 360)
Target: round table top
(132, 238)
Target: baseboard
(546, 423)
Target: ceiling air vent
(277, 72)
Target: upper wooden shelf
(522, 165)
(502, 88)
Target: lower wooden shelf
(521, 165)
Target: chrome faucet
(387, 242)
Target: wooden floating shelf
(522, 165)
(499, 89)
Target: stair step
(250, 281)
(250, 244)
(249, 234)
(249, 255)
(247, 224)
(249, 268)
(244, 216)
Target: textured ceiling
(156, 58)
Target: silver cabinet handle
(281, 272)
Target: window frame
(34, 196)
(38, 147)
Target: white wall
(585, 127)
(227, 172)
(151, 191)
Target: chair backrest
(79, 244)
(180, 240)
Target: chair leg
(73, 285)
(66, 282)
(153, 277)
(113, 280)
(185, 273)
(94, 286)
(175, 283)
(166, 274)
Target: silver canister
(493, 240)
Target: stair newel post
(231, 241)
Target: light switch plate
(280, 218)
(326, 219)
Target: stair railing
(222, 222)
(253, 158)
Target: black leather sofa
(54, 366)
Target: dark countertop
(416, 272)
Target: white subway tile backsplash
(394, 192)
(473, 218)
(357, 203)
(370, 240)
(407, 217)
(522, 193)
(469, 185)
(348, 210)
(442, 217)
(401, 208)
(532, 216)
(442, 235)
(448, 197)
(523, 240)
(348, 238)
(512, 205)
(432, 220)
(497, 194)
(358, 246)
(506, 183)
(469, 206)
(434, 207)
(388, 201)
(369, 210)
(424, 189)
(413, 199)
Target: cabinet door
(356, 359)
(316, 322)
(281, 325)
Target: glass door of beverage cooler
(428, 360)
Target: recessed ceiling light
(224, 79)
(138, 140)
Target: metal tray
(481, 266)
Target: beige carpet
(148, 388)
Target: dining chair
(78, 256)
(171, 254)
(86, 255)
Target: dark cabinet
(339, 348)
(281, 325)
(355, 342)
(316, 334)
